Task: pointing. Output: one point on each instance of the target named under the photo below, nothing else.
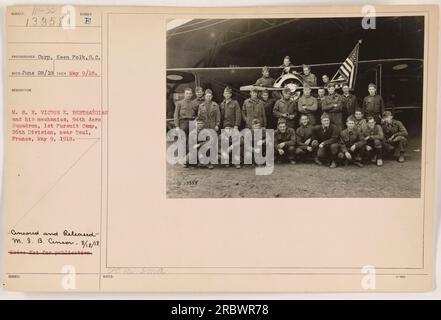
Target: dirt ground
(302, 180)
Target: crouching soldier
(255, 144)
(193, 155)
(325, 139)
(395, 135)
(351, 144)
(359, 120)
(284, 142)
(374, 137)
(230, 146)
(304, 138)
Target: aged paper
(92, 203)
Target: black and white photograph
(296, 108)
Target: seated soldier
(284, 142)
(257, 147)
(395, 135)
(351, 144)
(265, 80)
(304, 138)
(374, 137)
(325, 139)
(193, 136)
(233, 153)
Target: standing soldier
(350, 103)
(332, 104)
(304, 138)
(373, 104)
(307, 104)
(325, 140)
(253, 109)
(395, 135)
(265, 80)
(285, 108)
(209, 112)
(230, 110)
(374, 137)
(308, 77)
(325, 80)
(268, 105)
(199, 91)
(321, 94)
(185, 112)
(284, 142)
(351, 144)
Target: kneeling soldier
(395, 135)
(233, 153)
(304, 138)
(284, 142)
(374, 137)
(351, 144)
(325, 138)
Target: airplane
(398, 80)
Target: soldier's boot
(401, 157)
(333, 164)
(317, 161)
(379, 157)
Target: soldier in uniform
(268, 105)
(285, 108)
(309, 77)
(265, 80)
(321, 94)
(332, 105)
(395, 135)
(287, 65)
(325, 140)
(359, 120)
(185, 112)
(199, 91)
(373, 135)
(350, 103)
(256, 146)
(209, 112)
(253, 109)
(200, 124)
(351, 144)
(230, 154)
(373, 104)
(230, 110)
(284, 142)
(325, 80)
(304, 138)
(307, 104)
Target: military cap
(287, 57)
(254, 90)
(199, 119)
(372, 85)
(255, 121)
(387, 114)
(324, 116)
(306, 66)
(208, 91)
(198, 88)
(265, 68)
(329, 85)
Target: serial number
(249, 309)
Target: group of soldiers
(328, 128)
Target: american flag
(348, 70)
